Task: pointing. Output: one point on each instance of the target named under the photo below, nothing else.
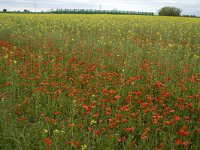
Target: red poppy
(21, 119)
(179, 141)
(117, 97)
(124, 120)
(183, 131)
(56, 113)
(53, 121)
(67, 142)
(186, 143)
(133, 143)
(96, 132)
(144, 136)
(47, 141)
(89, 129)
(177, 118)
(76, 143)
(112, 125)
(167, 122)
(103, 129)
(80, 125)
(111, 92)
(71, 125)
(129, 129)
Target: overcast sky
(191, 7)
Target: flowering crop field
(99, 82)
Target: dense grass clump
(99, 82)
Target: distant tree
(4, 10)
(26, 10)
(169, 11)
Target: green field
(99, 82)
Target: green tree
(169, 11)
(4, 10)
(26, 10)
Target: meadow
(99, 82)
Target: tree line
(165, 11)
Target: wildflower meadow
(99, 82)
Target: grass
(99, 82)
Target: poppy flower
(47, 141)
(179, 141)
(76, 143)
(186, 143)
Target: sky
(189, 7)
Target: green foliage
(169, 11)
